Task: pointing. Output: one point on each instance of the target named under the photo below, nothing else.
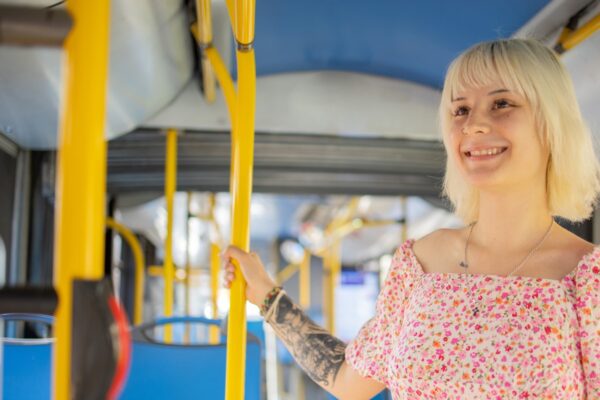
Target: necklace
(465, 264)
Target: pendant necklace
(465, 263)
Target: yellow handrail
(305, 281)
(244, 21)
(224, 80)
(221, 72)
(188, 267)
(205, 38)
(242, 159)
(215, 263)
(332, 259)
(169, 268)
(81, 174)
(334, 266)
(571, 39)
(140, 263)
(286, 273)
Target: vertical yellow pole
(332, 263)
(327, 295)
(213, 333)
(188, 267)
(81, 177)
(169, 268)
(242, 159)
(305, 281)
(203, 15)
(214, 293)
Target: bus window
(2, 262)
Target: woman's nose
(475, 123)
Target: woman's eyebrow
(498, 91)
(489, 94)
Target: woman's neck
(514, 219)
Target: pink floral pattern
(531, 338)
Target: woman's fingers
(233, 252)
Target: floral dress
(456, 336)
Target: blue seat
(176, 371)
(26, 369)
(26, 363)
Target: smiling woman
(519, 154)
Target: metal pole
(305, 281)
(242, 159)
(81, 174)
(169, 268)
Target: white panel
(339, 103)
(150, 62)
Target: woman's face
(491, 133)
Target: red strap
(122, 368)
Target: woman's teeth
(486, 152)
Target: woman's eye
(460, 111)
(501, 104)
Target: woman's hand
(258, 281)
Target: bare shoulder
(568, 249)
(435, 250)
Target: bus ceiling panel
(408, 40)
(151, 60)
(324, 102)
(297, 158)
(284, 182)
(211, 150)
(283, 164)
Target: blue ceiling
(409, 40)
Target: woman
(507, 307)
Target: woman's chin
(484, 180)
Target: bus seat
(25, 363)
(192, 371)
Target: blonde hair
(535, 72)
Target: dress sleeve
(368, 353)
(587, 306)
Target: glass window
(2, 262)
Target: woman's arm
(318, 352)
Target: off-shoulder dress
(457, 336)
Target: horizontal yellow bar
(287, 272)
(582, 33)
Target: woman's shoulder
(570, 253)
(434, 250)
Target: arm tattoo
(319, 353)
